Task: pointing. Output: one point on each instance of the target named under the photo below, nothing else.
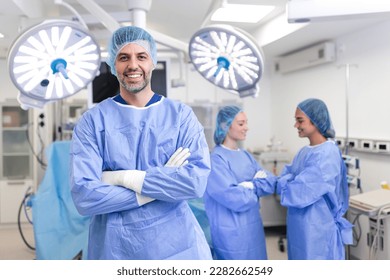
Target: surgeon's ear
(313, 125)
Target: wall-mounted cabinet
(70, 113)
(12, 193)
(206, 114)
(16, 156)
(16, 159)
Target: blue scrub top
(155, 98)
(315, 191)
(113, 136)
(234, 211)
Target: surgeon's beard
(135, 88)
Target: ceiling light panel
(241, 13)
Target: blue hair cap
(130, 34)
(317, 112)
(225, 118)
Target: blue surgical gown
(114, 136)
(233, 211)
(314, 189)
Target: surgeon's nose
(132, 64)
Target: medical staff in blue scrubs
(136, 159)
(235, 184)
(315, 191)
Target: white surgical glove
(179, 158)
(260, 174)
(141, 199)
(131, 179)
(247, 184)
(122, 178)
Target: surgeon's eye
(122, 57)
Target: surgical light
(51, 61)
(228, 58)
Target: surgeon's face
(304, 125)
(239, 127)
(134, 68)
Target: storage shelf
(16, 159)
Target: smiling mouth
(133, 76)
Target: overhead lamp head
(51, 61)
(227, 57)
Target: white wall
(369, 96)
(259, 111)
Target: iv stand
(346, 144)
(347, 89)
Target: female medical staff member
(232, 194)
(314, 189)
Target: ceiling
(178, 19)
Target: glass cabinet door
(16, 160)
(205, 115)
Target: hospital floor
(12, 246)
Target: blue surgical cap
(317, 112)
(126, 35)
(225, 118)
